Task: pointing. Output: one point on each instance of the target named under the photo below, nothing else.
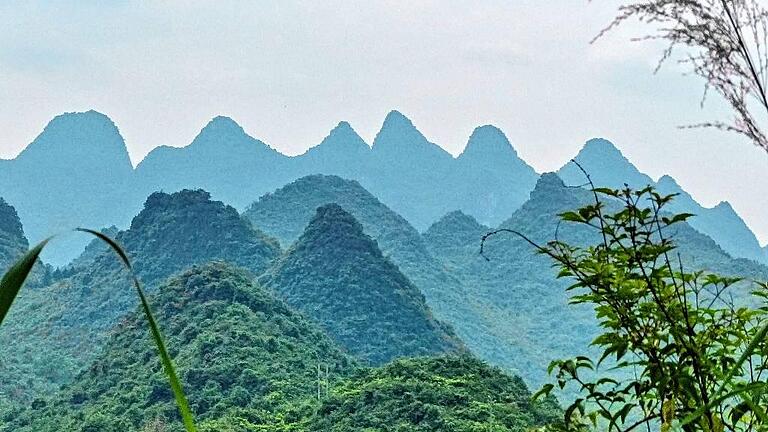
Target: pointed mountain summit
(683, 202)
(398, 135)
(174, 231)
(407, 171)
(77, 140)
(337, 274)
(224, 135)
(238, 350)
(551, 192)
(171, 233)
(488, 141)
(342, 138)
(721, 222)
(606, 165)
(609, 168)
(83, 176)
(221, 129)
(455, 225)
(286, 212)
(343, 152)
(488, 179)
(456, 235)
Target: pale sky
(289, 71)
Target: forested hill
(337, 275)
(286, 212)
(459, 394)
(241, 353)
(54, 331)
(249, 363)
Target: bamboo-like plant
(682, 354)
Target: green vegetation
(15, 278)
(249, 363)
(458, 394)
(522, 302)
(13, 243)
(687, 353)
(240, 352)
(338, 276)
(285, 214)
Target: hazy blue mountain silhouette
(609, 168)
(343, 152)
(720, 222)
(75, 173)
(222, 159)
(488, 179)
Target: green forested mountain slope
(249, 363)
(13, 244)
(55, 330)
(241, 353)
(458, 394)
(286, 212)
(522, 301)
(337, 275)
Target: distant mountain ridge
(88, 180)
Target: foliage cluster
(686, 349)
(515, 282)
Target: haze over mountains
(77, 173)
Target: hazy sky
(289, 71)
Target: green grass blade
(15, 277)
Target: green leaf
(15, 277)
(545, 390)
(571, 217)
